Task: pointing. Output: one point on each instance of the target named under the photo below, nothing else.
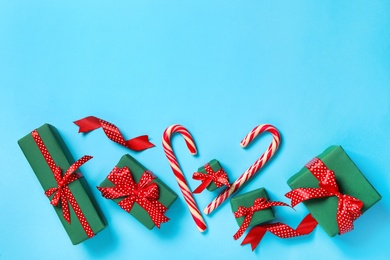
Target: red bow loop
(219, 177)
(145, 193)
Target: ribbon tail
(254, 237)
(202, 186)
(307, 225)
(224, 182)
(158, 217)
(56, 198)
(65, 209)
(139, 143)
(87, 124)
(50, 192)
(155, 210)
(127, 203)
(281, 230)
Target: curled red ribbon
(218, 177)
(259, 204)
(91, 123)
(281, 230)
(62, 191)
(145, 193)
(348, 209)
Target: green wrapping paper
(79, 188)
(167, 195)
(349, 180)
(214, 164)
(247, 200)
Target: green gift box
(247, 200)
(166, 195)
(214, 164)
(349, 180)
(79, 188)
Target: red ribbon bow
(218, 177)
(259, 204)
(279, 229)
(91, 123)
(145, 193)
(348, 209)
(62, 191)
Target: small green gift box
(134, 189)
(45, 150)
(247, 200)
(212, 176)
(350, 181)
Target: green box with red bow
(334, 190)
(67, 190)
(247, 200)
(212, 175)
(138, 191)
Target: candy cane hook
(166, 141)
(257, 165)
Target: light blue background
(317, 70)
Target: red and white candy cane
(166, 140)
(253, 168)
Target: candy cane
(253, 168)
(166, 140)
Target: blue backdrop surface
(317, 70)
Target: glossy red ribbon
(91, 123)
(259, 204)
(281, 230)
(62, 192)
(218, 177)
(348, 209)
(145, 193)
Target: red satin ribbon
(219, 178)
(348, 209)
(259, 204)
(91, 123)
(62, 192)
(145, 193)
(281, 230)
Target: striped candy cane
(253, 168)
(166, 139)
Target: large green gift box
(247, 200)
(166, 195)
(349, 180)
(79, 187)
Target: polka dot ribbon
(145, 193)
(62, 193)
(218, 177)
(348, 209)
(259, 204)
(91, 123)
(281, 230)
